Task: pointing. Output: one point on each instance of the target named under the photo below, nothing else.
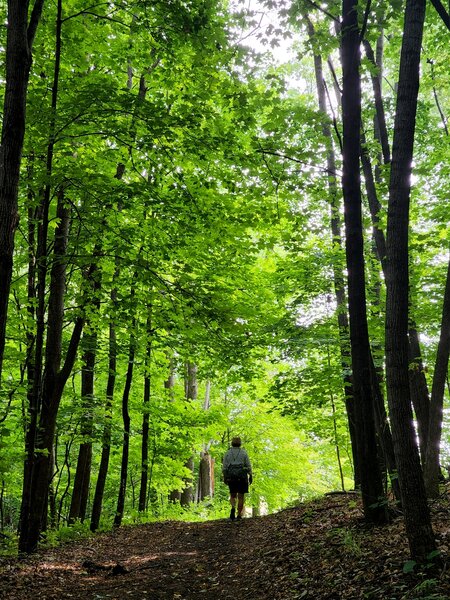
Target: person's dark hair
(236, 442)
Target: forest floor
(318, 550)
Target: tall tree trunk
(80, 493)
(126, 428)
(19, 43)
(191, 393)
(371, 480)
(418, 386)
(205, 485)
(146, 419)
(41, 260)
(338, 277)
(432, 465)
(54, 380)
(174, 495)
(416, 513)
(419, 389)
(106, 441)
(81, 483)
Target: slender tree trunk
(338, 277)
(126, 429)
(191, 392)
(146, 419)
(19, 43)
(52, 491)
(80, 491)
(419, 389)
(432, 469)
(416, 512)
(371, 480)
(106, 442)
(206, 466)
(174, 495)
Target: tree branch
(34, 22)
(440, 8)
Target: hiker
(237, 474)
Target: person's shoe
(233, 514)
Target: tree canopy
(202, 237)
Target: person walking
(237, 474)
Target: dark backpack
(235, 471)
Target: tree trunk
(419, 389)
(80, 491)
(416, 513)
(205, 476)
(54, 379)
(169, 383)
(191, 392)
(371, 480)
(106, 442)
(432, 469)
(418, 385)
(39, 267)
(205, 484)
(146, 419)
(19, 43)
(126, 429)
(338, 277)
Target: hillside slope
(319, 550)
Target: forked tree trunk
(34, 518)
(416, 513)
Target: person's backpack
(235, 470)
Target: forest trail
(319, 550)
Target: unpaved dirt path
(175, 560)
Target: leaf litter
(320, 550)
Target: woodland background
(176, 258)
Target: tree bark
(19, 43)
(206, 467)
(146, 419)
(126, 428)
(418, 386)
(81, 483)
(371, 481)
(191, 392)
(106, 442)
(432, 469)
(35, 517)
(338, 276)
(419, 389)
(416, 513)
